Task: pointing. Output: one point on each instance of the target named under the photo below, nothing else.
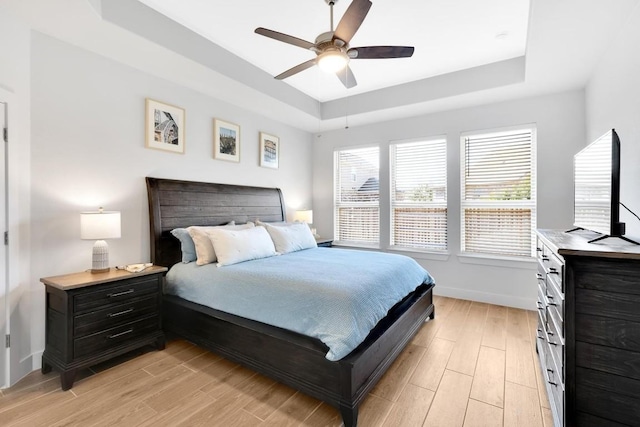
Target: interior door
(4, 293)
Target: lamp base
(100, 258)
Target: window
(419, 194)
(357, 196)
(498, 192)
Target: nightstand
(324, 243)
(91, 318)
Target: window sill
(498, 261)
(413, 253)
(355, 246)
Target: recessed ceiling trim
(490, 76)
(146, 22)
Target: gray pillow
(186, 244)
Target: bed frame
(288, 357)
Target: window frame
(337, 204)
(393, 204)
(530, 204)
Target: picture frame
(164, 126)
(269, 151)
(226, 141)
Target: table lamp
(100, 225)
(305, 216)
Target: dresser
(91, 318)
(588, 335)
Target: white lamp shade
(99, 225)
(305, 216)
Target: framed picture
(164, 126)
(269, 150)
(226, 141)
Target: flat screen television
(597, 187)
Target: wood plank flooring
(473, 365)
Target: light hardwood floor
(473, 365)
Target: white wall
(613, 101)
(14, 81)
(560, 124)
(88, 151)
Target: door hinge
(7, 342)
(5, 134)
(6, 238)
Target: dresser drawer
(114, 336)
(555, 302)
(556, 397)
(102, 296)
(541, 276)
(555, 269)
(556, 346)
(114, 315)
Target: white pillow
(291, 238)
(277, 223)
(205, 252)
(234, 246)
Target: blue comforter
(335, 295)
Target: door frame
(5, 356)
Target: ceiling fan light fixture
(332, 61)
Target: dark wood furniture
(323, 242)
(94, 317)
(293, 359)
(589, 328)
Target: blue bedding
(335, 295)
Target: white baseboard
(497, 299)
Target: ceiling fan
(332, 48)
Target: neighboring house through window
(357, 196)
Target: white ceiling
(565, 42)
(448, 35)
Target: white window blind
(419, 195)
(498, 192)
(357, 196)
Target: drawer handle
(549, 296)
(550, 333)
(120, 313)
(552, 270)
(539, 249)
(118, 294)
(545, 258)
(553, 304)
(553, 343)
(120, 334)
(552, 383)
(540, 306)
(539, 276)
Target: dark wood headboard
(180, 204)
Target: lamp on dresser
(100, 225)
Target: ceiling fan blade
(346, 77)
(380, 52)
(352, 19)
(295, 70)
(284, 38)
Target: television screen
(597, 181)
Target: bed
(291, 358)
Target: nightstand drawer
(112, 316)
(115, 294)
(114, 336)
